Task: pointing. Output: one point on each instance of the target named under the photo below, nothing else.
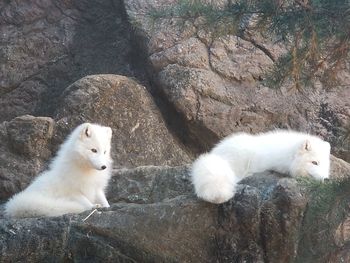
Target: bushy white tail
(213, 179)
(28, 204)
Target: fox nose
(103, 167)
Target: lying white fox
(216, 174)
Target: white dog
(216, 174)
(76, 179)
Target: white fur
(75, 181)
(216, 174)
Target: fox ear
(86, 132)
(306, 145)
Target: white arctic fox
(215, 174)
(76, 179)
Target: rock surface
(215, 83)
(140, 135)
(24, 149)
(155, 217)
(47, 45)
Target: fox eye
(94, 150)
(314, 162)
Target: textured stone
(324, 234)
(25, 146)
(339, 168)
(166, 223)
(155, 217)
(30, 135)
(149, 184)
(342, 233)
(181, 55)
(237, 59)
(229, 96)
(140, 135)
(47, 45)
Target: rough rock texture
(339, 168)
(47, 45)
(326, 219)
(149, 184)
(140, 135)
(24, 149)
(215, 83)
(155, 217)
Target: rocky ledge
(155, 217)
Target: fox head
(312, 159)
(93, 146)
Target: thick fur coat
(76, 179)
(215, 174)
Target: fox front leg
(84, 202)
(101, 199)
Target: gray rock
(149, 184)
(25, 147)
(30, 136)
(339, 168)
(140, 135)
(216, 85)
(171, 231)
(47, 45)
(263, 222)
(324, 234)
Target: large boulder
(215, 83)
(155, 217)
(140, 135)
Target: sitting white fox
(216, 174)
(76, 179)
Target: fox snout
(321, 173)
(100, 167)
(99, 163)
